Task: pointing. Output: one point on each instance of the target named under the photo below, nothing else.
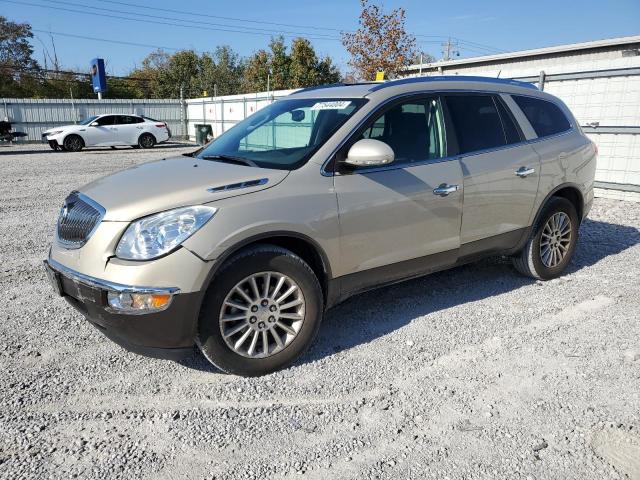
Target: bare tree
(381, 42)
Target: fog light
(132, 303)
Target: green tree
(20, 74)
(303, 66)
(279, 64)
(256, 71)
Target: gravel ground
(471, 373)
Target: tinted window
(511, 130)
(545, 117)
(106, 120)
(476, 121)
(414, 130)
(127, 120)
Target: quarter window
(476, 122)
(545, 117)
(414, 130)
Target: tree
(228, 71)
(381, 42)
(256, 71)
(19, 73)
(279, 64)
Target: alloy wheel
(262, 314)
(556, 239)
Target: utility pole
(449, 49)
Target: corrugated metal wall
(35, 115)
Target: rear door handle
(443, 189)
(525, 171)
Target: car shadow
(368, 316)
(94, 150)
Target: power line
(235, 19)
(83, 37)
(32, 71)
(105, 15)
(191, 22)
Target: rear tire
(146, 140)
(73, 143)
(265, 334)
(553, 241)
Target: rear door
(103, 133)
(501, 172)
(127, 129)
(393, 224)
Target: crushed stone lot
(471, 373)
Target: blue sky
(483, 27)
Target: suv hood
(175, 182)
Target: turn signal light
(138, 303)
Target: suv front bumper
(169, 333)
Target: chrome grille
(78, 220)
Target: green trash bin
(204, 133)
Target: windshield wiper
(231, 159)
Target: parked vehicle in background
(242, 246)
(7, 134)
(108, 131)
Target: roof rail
(447, 78)
(330, 85)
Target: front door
(501, 172)
(398, 220)
(103, 133)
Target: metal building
(599, 81)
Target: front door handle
(525, 171)
(443, 189)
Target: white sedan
(108, 131)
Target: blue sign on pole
(98, 76)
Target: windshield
(88, 120)
(284, 134)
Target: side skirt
(346, 286)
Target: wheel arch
(569, 191)
(76, 134)
(302, 245)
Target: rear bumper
(168, 334)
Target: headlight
(158, 234)
(55, 132)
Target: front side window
(106, 120)
(284, 134)
(476, 121)
(545, 117)
(414, 130)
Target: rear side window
(545, 117)
(476, 122)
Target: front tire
(261, 312)
(146, 140)
(73, 143)
(553, 241)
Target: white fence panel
(33, 116)
(222, 113)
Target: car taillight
(595, 147)
(161, 125)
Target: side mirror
(297, 115)
(369, 152)
(94, 124)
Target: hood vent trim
(239, 185)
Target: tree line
(380, 43)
